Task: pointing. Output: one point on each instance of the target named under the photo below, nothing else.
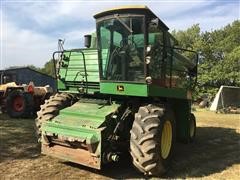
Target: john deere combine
(129, 90)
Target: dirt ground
(214, 155)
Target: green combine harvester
(129, 90)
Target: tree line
(219, 56)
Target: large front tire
(51, 109)
(152, 139)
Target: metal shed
(24, 75)
(227, 96)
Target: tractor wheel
(152, 139)
(192, 127)
(19, 104)
(51, 109)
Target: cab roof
(133, 9)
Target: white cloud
(75, 38)
(24, 47)
(210, 19)
(45, 13)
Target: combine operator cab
(135, 47)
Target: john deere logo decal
(120, 88)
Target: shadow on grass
(214, 150)
(121, 170)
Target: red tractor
(22, 100)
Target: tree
(219, 53)
(48, 68)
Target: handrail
(70, 51)
(172, 48)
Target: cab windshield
(121, 46)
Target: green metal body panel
(182, 110)
(156, 91)
(127, 89)
(83, 114)
(79, 119)
(72, 73)
(61, 85)
(82, 122)
(82, 133)
(142, 90)
(75, 69)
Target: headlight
(148, 59)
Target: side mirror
(87, 40)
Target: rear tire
(51, 109)
(152, 139)
(19, 104)
(192, 127)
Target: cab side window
(156, 40)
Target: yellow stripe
(129, 7)
(125, 7)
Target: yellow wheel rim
(192, 128)
(166, 140)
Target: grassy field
(214, 155)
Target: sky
(30, 29)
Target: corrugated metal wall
(26, 75)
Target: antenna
(60, 44)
